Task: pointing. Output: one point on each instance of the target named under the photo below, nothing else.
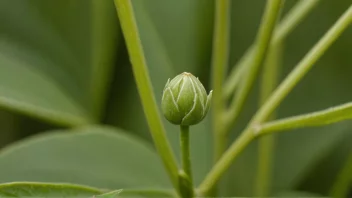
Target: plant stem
(139, 67)
(318, 118)
(304, 66)
(288, 23)
(343, 183)
(264, 168)
(264, 36)
(252, 129)
(219, 63)
(185, 175)
(266, 143)
(186, 152)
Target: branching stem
(274, 100)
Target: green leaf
(147, 193)
(96, 156)
(53, 69)
(7, 123)
(32, 189)
(112, 194)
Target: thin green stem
(219, 64)
(254, 127)
(185, 175)
(139, 67)
(186, 152)
(271, 14)
(318, 118)
(344, 180)
(266, 143)
(284, 28)
(304, 66)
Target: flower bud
(185, 101)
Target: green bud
(185, 101)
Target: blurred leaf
(55, 58)
(294, 194)
(8, 128)
(324, 175)
(180, 30)
(96, 156)
(147, 193)
(16, 126)
(112, 194)
(31, 189)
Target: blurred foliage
(63, 64)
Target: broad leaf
(55, 58)
(31, 189)
(95, 156)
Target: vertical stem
(186, 151)
(219, 63)
(267, 26)
(185, 175)
(265, 157)
(266, 143)
(145, 89)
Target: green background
(64, 67)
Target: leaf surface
(31, 189)
(96, 156)
(55, 58)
